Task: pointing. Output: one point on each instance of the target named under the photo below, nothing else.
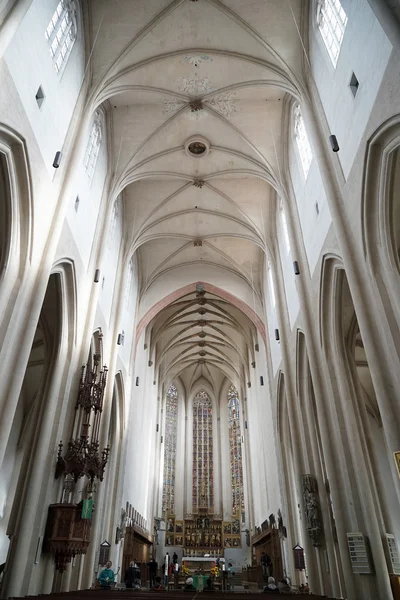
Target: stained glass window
(171, 420)
(203, 471)
(235, 451)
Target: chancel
(199, 297)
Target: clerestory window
(332, 21)
(61, 33)
(271, 285)
(303, 144)
(285, 228)
(93, 146)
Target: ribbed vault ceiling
(167, 72)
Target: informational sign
(299, 562)
(104, 555)
(359, 553)
(392, 554)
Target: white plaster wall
(309, 192)
(108, 276)
(365, 51)
(141, 432)
(291, 295)
(83, 221)
(272, 321)
(268, 478)
(31, 65)
(128, 322)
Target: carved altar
(202, 534)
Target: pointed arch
(16, 209)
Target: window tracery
(303, 143)
(235, 451)
(93, 146)
(170, 434)
(61, 33)
(203, 471)
(332, 21)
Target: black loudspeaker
(334, 143)
(57, 159)
(137, 381)
(119, 340)
(261, 380)
(296, 267)
(277, 335)
(97, 276)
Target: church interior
(200, 295)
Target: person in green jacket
(107, 576)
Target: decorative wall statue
(311, 509)
(121, 528)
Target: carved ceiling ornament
(224, 103)
(311, 509)
(198, 183)
(196, 105)
(172, 105)
(195, 87)
(197, 146)
(196, 59)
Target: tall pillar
(295, 426)
(11, 23)
(375, 331)
(15, 583)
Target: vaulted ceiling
(196, 89)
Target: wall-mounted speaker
(334, 143)
(57, 159)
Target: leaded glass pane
(171, 423)
(203, 469)
(332, 21)
(235, 451)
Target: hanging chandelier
(83, 457)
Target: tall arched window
(303, 144)
(271, 285)
(113, 223)
(203, 472)
(128, 283)
(332, 21)
(171, 421)
(61, 33)
(93, 146)
(284, 227)
(235, 451)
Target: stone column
(295, 422)
(12, 21)
(376, 333)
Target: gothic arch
(16, 209)
(354, 451)
(381, 213)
